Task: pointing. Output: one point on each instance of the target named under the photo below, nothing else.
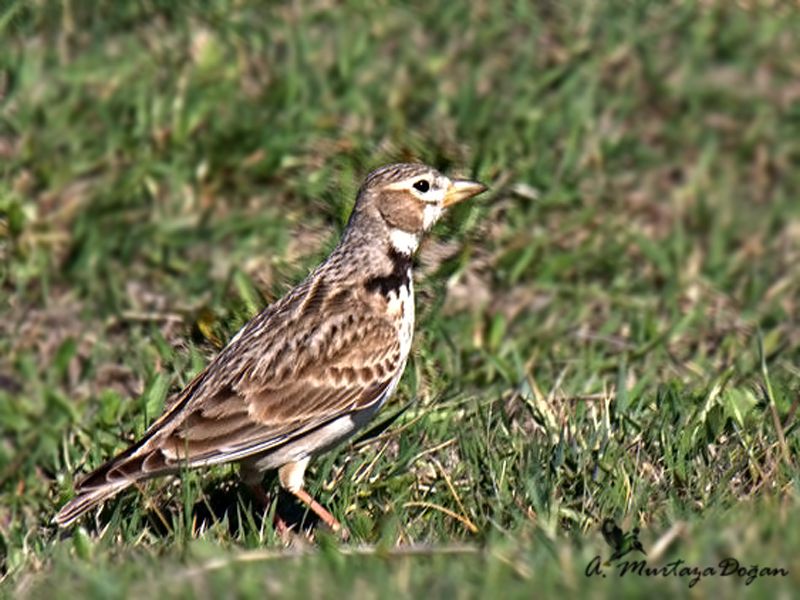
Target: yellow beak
(461, 189)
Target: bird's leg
(259, 495)
(291, 478)
(319, 510)
(262, 498)
(252, 479)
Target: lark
(311, 369)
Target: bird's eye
(422, 185)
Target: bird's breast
(392, 292)
(400, 308)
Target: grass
(611, 333)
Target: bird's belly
(322, 439)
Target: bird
(309, 370)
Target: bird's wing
(266, 410)
(319, 353)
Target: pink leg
(319, 510)
(258, 493)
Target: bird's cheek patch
(401, 211)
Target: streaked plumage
(310, 370)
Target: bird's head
(409, 198)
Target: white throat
(403, 242)
(431, 214)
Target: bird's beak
(461, 189)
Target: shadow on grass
(227, 501)
(232, 502)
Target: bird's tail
(85, 501)
(137, 463)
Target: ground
(610, 333)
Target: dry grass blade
(465, 521)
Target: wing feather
(319, 353)
(340, 358)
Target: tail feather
(109, 479)
(85, 501)
(144, 459)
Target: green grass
(611, 332)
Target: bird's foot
(324, 515)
